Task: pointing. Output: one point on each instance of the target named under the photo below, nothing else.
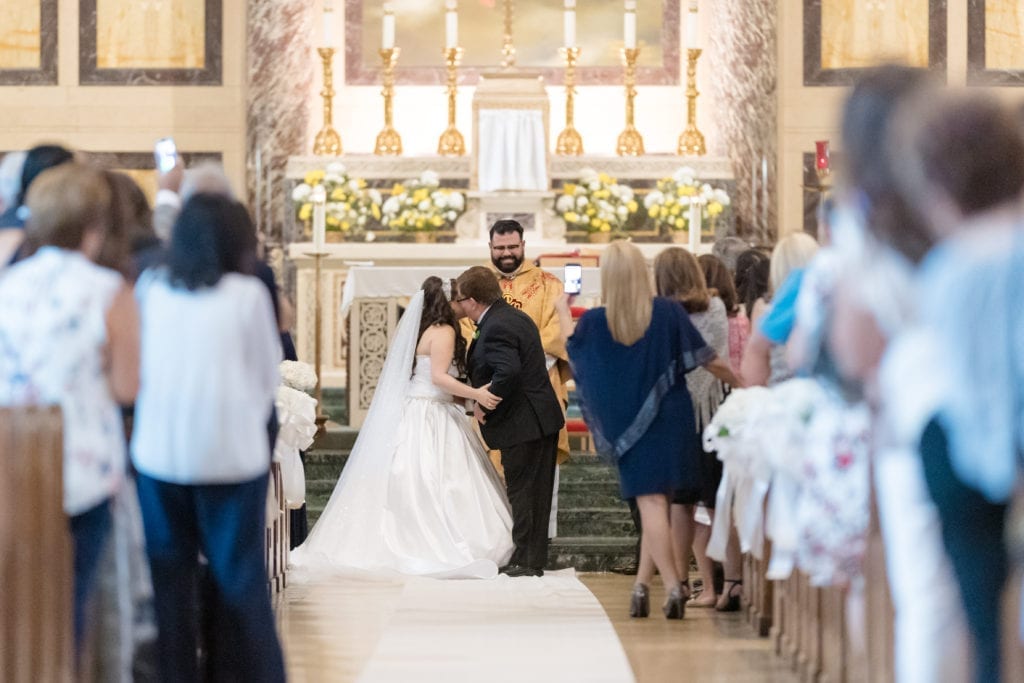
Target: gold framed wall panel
(995, 42)
(28, 42)
(537, 28)
(127, 42)
(844, 37)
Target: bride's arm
(442, 350)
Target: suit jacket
(507, 352)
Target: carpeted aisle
(524, 629)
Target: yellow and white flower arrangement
(350, 206)
(669, 204)
(596, 203)
(421, 204)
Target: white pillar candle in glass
(387, 40)
(695, 219)
(328, 25)
(692, 27)
(319, 199)
(451, 24)
(569, 37)
(629, 25)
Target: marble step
(614, 522)
(593, 554)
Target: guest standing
(69, 336)
(210, 351)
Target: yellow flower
(605, 227)
(345, 225)
(602, 194)
(437, 221)
(420, 194)
(669, 200)
(337, 194)
(595, 223)
(605, 179)
(680, 223)
(714, 208)
(375, 210)
(360, 183)
(305, 211)
(397, 189)
(571, 216)
(420, 224)
(632, 206)
(687, 191)
(675, 210)
(314, 177)
(654, 211)
(333, 222)
(569, 188)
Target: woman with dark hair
(418, 494)
(720, 279)
(752, 271)
(210, 353)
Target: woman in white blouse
(210, 351)
(69, 336)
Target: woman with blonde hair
(764, 361)
(629, 358)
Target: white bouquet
(351, 207)
(297, 375)
(421, 204)
(596, 203)
(668, 204)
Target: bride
(418, 494)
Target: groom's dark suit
(507, 352)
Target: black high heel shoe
(639, 601)
(729, 601)
(675, 605)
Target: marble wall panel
(842, 37)
(127, 42)
(995, 42)
(744, 56)
(28, 42)
(537, 29)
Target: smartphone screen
(166, 154)
(573, 278)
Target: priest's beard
(507, 263)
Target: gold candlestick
(691, 140)
(630, 142)
(508, 48)
(327, 140)
(451, 142)
(570, 142)
(321, 416)
(389, 142)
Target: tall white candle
(319, 198)
(387, 39)
(695, 219)
(692, 27)
(451, 24)
(328, 18)
(570, 27)
(629, 25)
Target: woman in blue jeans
(210, 351)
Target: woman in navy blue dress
(629, 359)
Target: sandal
(675, 605)
(730, 598)
(639, 601)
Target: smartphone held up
(573, 278)
(166, 154)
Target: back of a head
(131, 215)
(206, 177)
(10, 178)
(37, 160)
(728, 249)
(752, 270)
(65, 202)
(626, 291)
(964, 145)
(867, 117)
(677, 275)
(212, 236)
(719, 279)
(792, 252)
(506, 226)
(480, 284)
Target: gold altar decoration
(630, 142)
(389, 142)
(327, 141)
(508, 48)
(451, 142)
(691, 140)
(570, 142)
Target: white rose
(440, 199)
(622, 212)
(457, 201)
(375, 196)
(353, 185)
(588, 175)
(653, 197)
(333, 179)
(451, 216)
(392, 205)
(424, 206)
(722, 197)
(301, 192)
(430, 179)
(335, 168)
(627, 193)
(581, 202)
(370, 235)
(564, 203)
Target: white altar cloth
(513, 150)
(379, 282)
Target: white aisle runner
(525, 629)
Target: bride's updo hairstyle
(437, 310)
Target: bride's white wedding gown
(434, 506)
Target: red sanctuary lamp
(822, 162)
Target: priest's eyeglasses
(506, 247)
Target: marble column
(281, 68)
(743, 58)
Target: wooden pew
(36, 638)
(278, 535)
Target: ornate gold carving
(691, 141)
(570, 142)
(451, 142)
(389, 142)
(630, 142)
(327, 141)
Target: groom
(506, 352)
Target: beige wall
(131, 119)
(807, 114)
